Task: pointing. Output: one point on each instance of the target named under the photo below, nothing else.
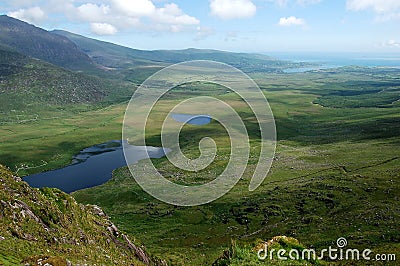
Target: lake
(192, 119)
(93, 166)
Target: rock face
(39, 226)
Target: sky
(232, 25)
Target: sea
(334, 60)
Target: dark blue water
(93, 166)
(198, 120)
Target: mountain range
(76, 52)
(58, 67)
(41, 68)
(112, 55)
(41, 44)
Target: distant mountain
(48, 227)
(40, 68)
(109, 54)
(41, 44)
(112, 55)
(77, 52)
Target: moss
(49, 225)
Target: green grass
(315, 194)
(50, 142)
(48, 224)
(243, 254)
(335, 174)
(336, 171)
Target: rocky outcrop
(41, 226)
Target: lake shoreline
(92, 166)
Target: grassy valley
(335, 173)
(331, 163)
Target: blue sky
(234, 25)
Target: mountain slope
(39, 43)
(11, 61)
(49, 225)
(108, 54)
(113, 55)
(25, 81)
(77, 52)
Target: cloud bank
(232, 9)
(31, 15)
(109, 17)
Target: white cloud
(103, 29)
(125, 14)
(231, 9)
(393, 43)
(92, 12)
(291, 21)
(136, 8)
(172, 14)
(385, 9)
(111, 16)
(31, 15)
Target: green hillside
(30, 87)
(48, 226)
(11, 62)
(108, 54)
(38, 43)
(29, 84)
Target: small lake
(93, 166)
(191, 119)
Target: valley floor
(336, 172)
